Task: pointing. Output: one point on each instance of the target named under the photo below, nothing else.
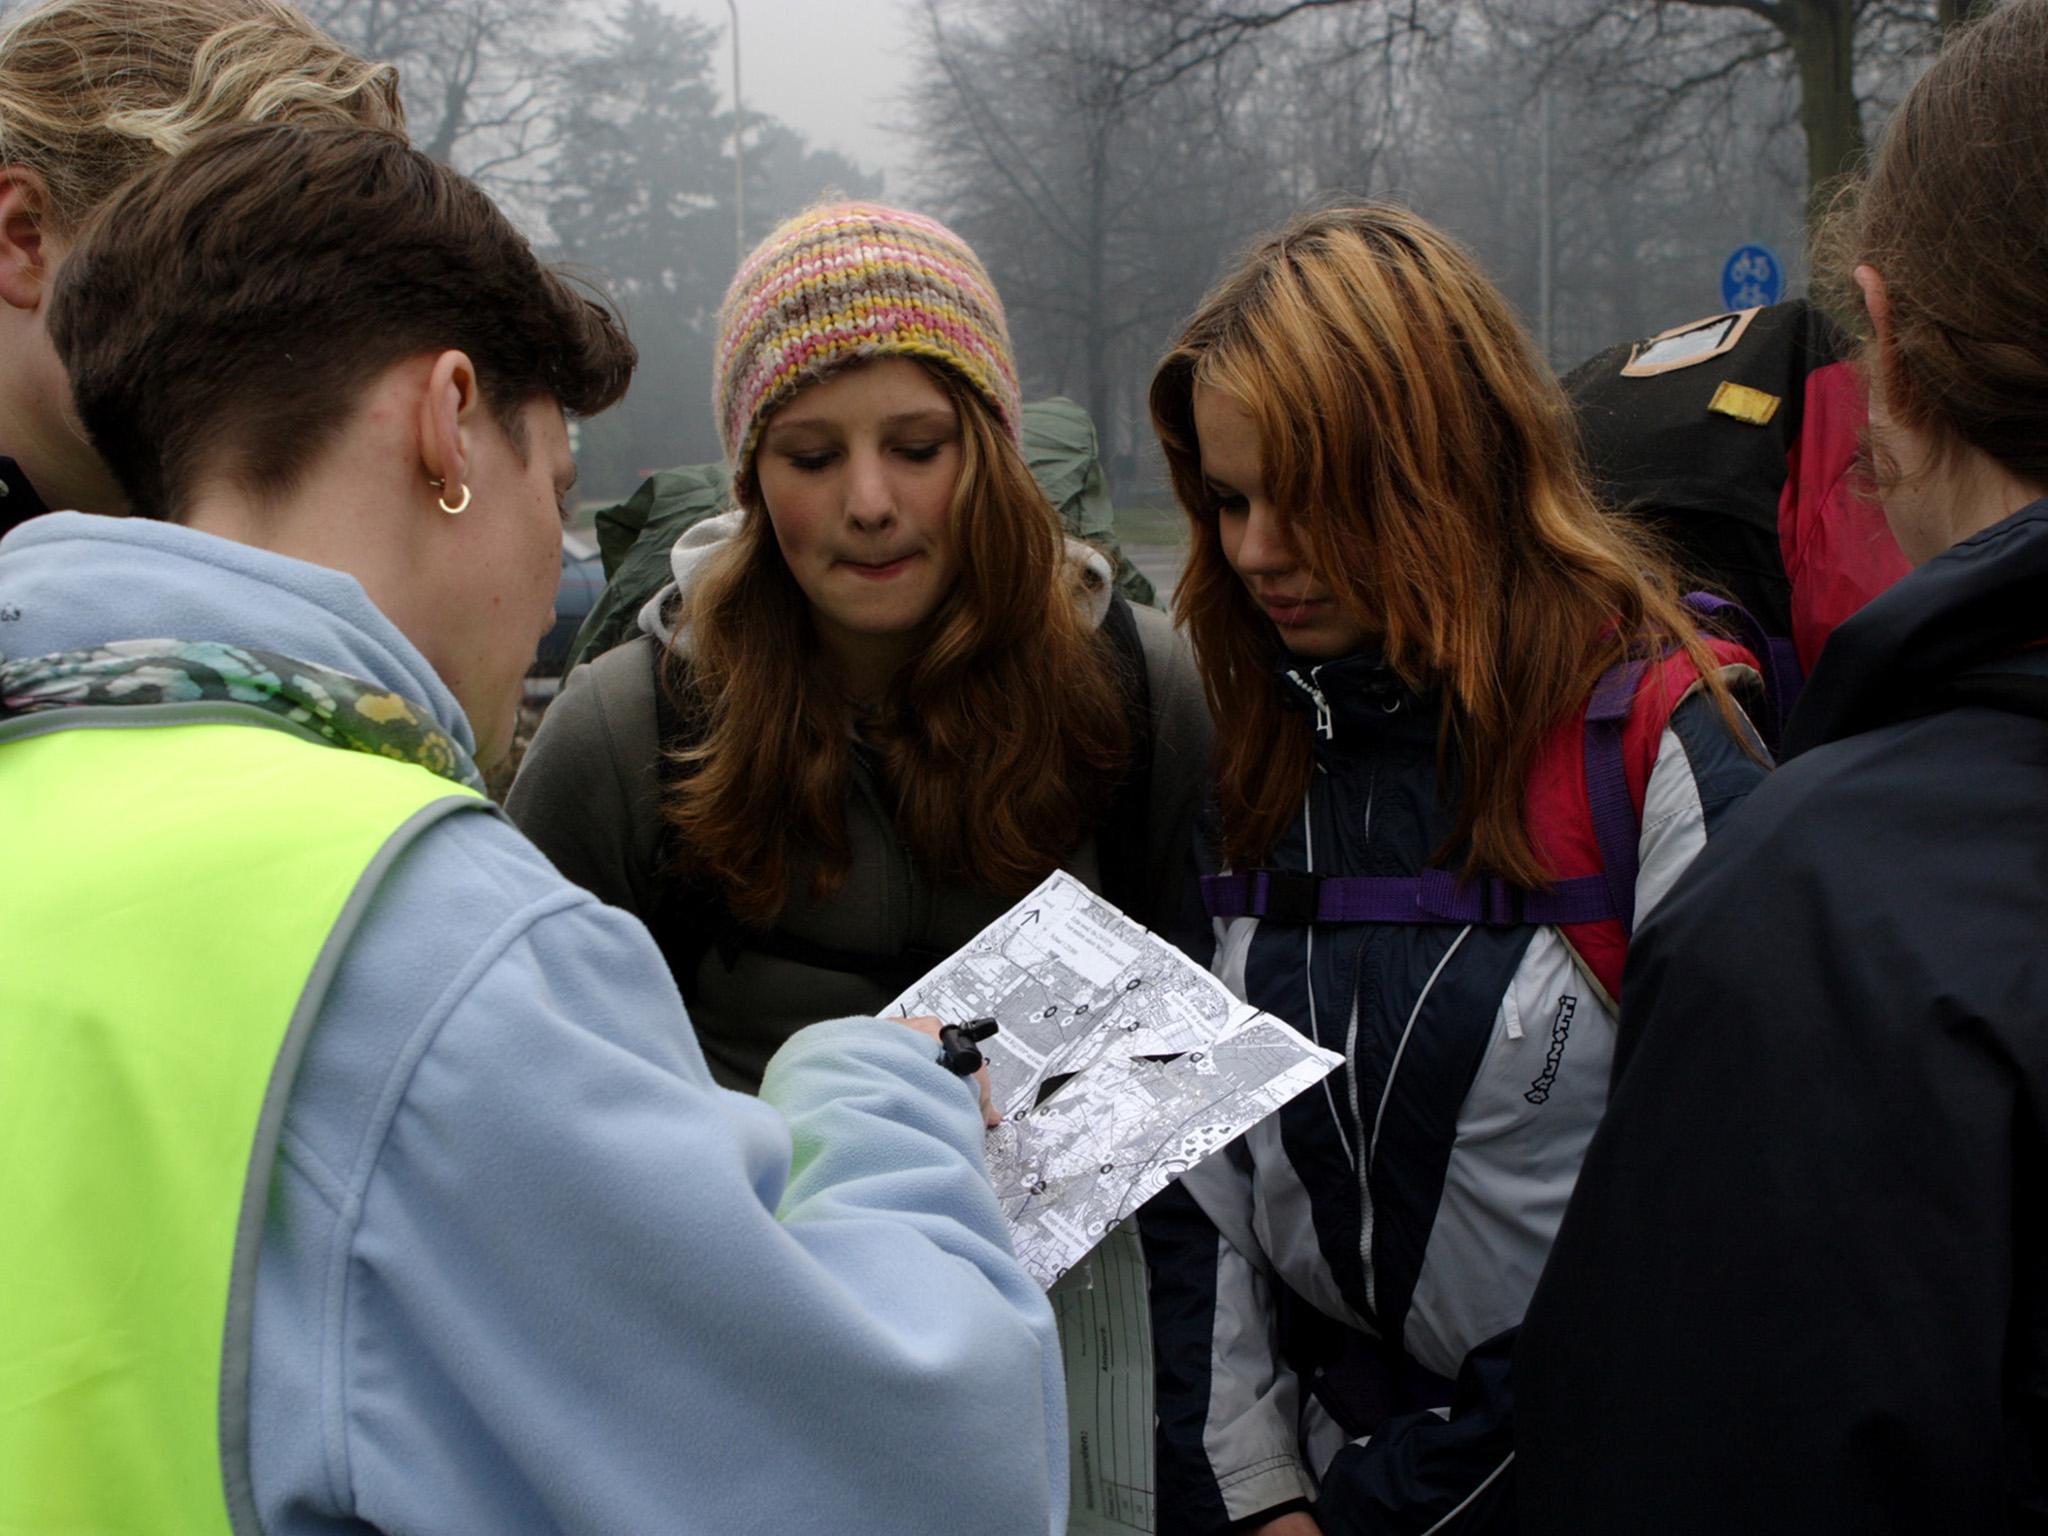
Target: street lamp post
(739, 127)
(1546, 231)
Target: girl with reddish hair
(1469, 734)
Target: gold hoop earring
(460, 506)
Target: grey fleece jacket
(589, 791)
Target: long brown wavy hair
(1951, 210)
(1002, 740)
(1426, 465)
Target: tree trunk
(1095, 344)
(1823, 38)
(454, 104)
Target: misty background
(1110, 158)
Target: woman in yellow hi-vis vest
(359, 1171)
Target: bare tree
(1106, 156)
(1659, 51)
(1637, 224)
(1658, 61)
(480, 78)
(1107, 178)
(1081, 179)
(1183, 36)
(641, 194)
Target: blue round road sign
(1753, 276)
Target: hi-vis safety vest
(174, 899)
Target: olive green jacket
(589, 795)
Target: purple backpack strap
(1615, 822)
(1784, 677)
(1777, 656)
(1435, 896)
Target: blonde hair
(94, 91)
(1424, 460)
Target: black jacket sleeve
(1431, 1472)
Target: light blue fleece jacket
(525, 1268)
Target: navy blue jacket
(1340, 1273)
(1803, 1284)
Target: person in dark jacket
(1803, 1284)
(1403, 597)
(92, 91)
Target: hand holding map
(1120, 1065)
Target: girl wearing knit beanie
(885, 697)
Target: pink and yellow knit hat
(844, 282)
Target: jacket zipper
(1326, 726)
(1308, 965)
(1372, 1148)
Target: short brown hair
(227, 308)
(94, 91)
(1953, 212)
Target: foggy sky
(831, 69)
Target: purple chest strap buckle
(1297, 898)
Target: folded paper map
(1120, 1064)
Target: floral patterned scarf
(346, 711)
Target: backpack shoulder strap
(1123, 839)
(686, 918)
(1623, 732)
(1585, 799)
(1616, 814)
(1776, 657)
(1602, 893)
(1615, 804)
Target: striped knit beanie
(845, 282)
